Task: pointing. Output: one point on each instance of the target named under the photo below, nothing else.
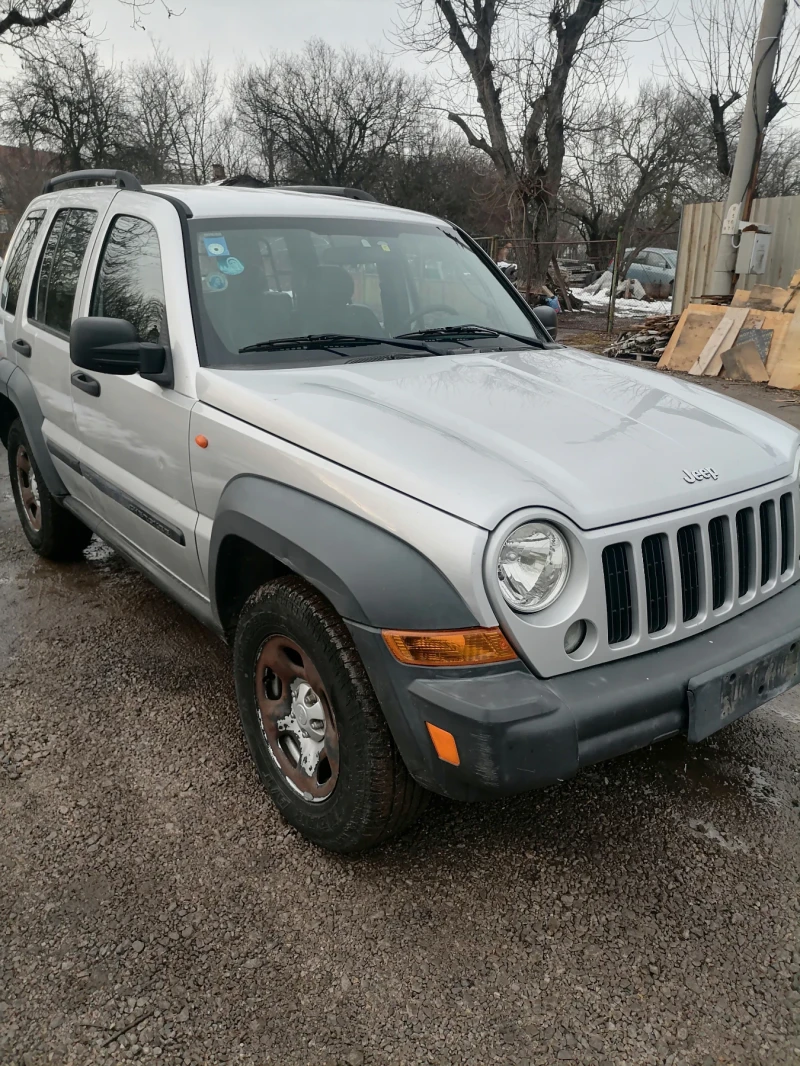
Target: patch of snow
(598, 302)
(98, 551)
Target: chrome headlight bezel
(560, 544)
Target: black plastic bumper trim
(516, 732)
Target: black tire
(373, 797)
(51, 531)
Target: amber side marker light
(444, 744)
(455, 647)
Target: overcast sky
(232, 29)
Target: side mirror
(548, 318)
(111, 346)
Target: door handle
(22, 347)
(85, 383)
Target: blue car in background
(655, 269)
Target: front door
(135, 433)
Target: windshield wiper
(469, 329)
(330, 341)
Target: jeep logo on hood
(706, 474)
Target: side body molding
(369, 575)
(17, 386)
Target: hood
(481, 435)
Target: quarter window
(53, 294)
(20, 254)
(130, 282)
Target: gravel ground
(153, 906)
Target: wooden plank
(689, 339)
(768, 298)
(741, 298)
(696, 325)
(755, 320)
(785, 369)
(709, 361)
(779, 324)
(743, 363)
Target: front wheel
(313, 724)
(51, 531)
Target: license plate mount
(721, 696)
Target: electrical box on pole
(754, 245)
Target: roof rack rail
(121, 178)
(332, 190)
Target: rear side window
(53, 293)
(130, 282)
(20, 254)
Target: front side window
(20, 254)
(130, 282)
(53, 293)
(259, 280)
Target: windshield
(264, 279)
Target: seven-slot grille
(731, 557)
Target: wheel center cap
(308, 711)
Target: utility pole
(748, 152)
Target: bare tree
(27, 23)
(181, 124)
(328, 117)
(435, 171)
(779, 173)
(68, 103)
(525, 60)
(714, 70)
(30, 20)
(633, 170)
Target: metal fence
(701, 226)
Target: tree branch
(17, 19)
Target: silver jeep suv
(450, 554)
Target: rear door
(43, 323)
(135, 433)
(14, 274)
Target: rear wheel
(51, 531)
(313, 724)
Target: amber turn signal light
(455, 647)
(445, 744)
(201, 441)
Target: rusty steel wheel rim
(297, 719)
(28, 489)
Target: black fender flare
(371, 576)
(16, 385)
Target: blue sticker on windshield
(216, 282)
(216, 245)
(231, 265)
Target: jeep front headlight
(533, 567)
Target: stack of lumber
(756, 338)
(644, 340)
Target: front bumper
(516, 732)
